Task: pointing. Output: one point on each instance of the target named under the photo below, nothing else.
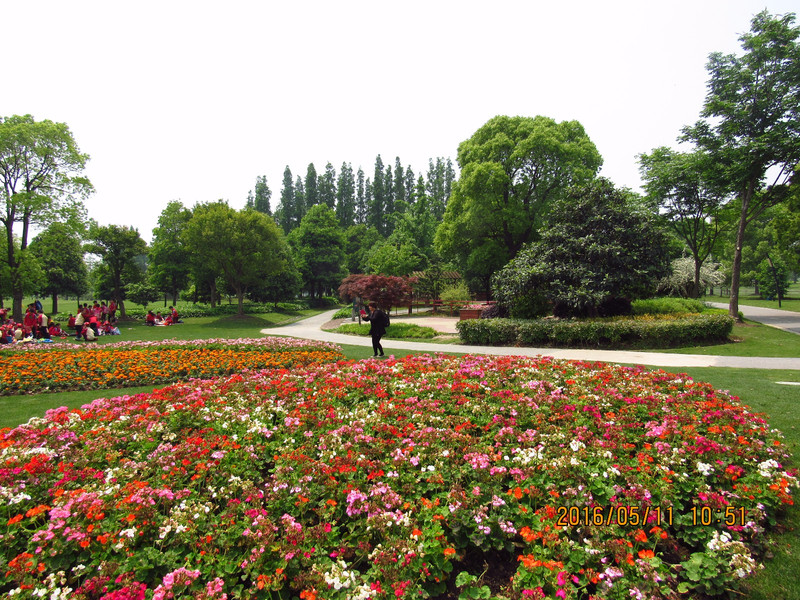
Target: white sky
(191, 101)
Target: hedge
(646, 332)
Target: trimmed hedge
(646, 332)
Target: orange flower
(449, 551)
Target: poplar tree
(346, 196)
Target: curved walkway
(311, 329)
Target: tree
(326, 187)
(512, 169)
(41, 174)
(384, 290)
(394, 256)
(361, 199)
(358, 241)
(312, 195)
(682, 185)
(318, 245)
(59, 250)
(286, 215)
(752, 123)
(376, 203)
(118, 247)
(346, 196)
(243, 246)
(141, 293)
(169, 258)
(260, 201)
(597, 252)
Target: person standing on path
(377, 326)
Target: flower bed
(31, 368)
(394, 479)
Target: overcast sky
(192, 101)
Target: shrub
(343, 313)
(395, 331)
(617, 332)
(665, 306)
(456, 293)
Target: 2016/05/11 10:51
(639, 516)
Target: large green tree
(121, 250)
(243, 246)
(318, 245)
(751, 123)
(59, 250)
(346, 196)
(41, 172)
(682, 185)
(169, 266)
(598, 250)
(326, 186)
(512, 169)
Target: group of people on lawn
(88, 323)
(156, 319)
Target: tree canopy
(598, 251)
(41, 172)
(243, 246)
(512, 169)
(751, 122)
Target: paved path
(311, 329)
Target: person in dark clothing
(377, 326)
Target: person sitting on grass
(150, 319)
(55, 330)
(88, 333)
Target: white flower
(705, 468)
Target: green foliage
(120, 249)
(752, 122)
(666, 306)
(41, 181)
(512, 169)
(598, 250)
(614, 332)
(773, 279)
(141, 293)
(456, 293)
(170, 263)
(318, 249)
(397, 331)
(243, 247)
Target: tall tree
(118, 247)
(346, 196)
(169, 266)
(681, 184)
(260, 200)
(312, 195)
(361, 198)
(751, 125)
(512, 169)
(318, 246)
(376, 206)
(243, 246)
(59, 249)
(285, 213)
(326, 187)
(41, 174)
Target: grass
(748, 297)
(750, 339)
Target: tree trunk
(696, 290)
(240, 300)
(55, 303)
(736, 270)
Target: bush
(395, 331)
(666, 306)
(456, 293)
(343, 313)
(640, 332)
